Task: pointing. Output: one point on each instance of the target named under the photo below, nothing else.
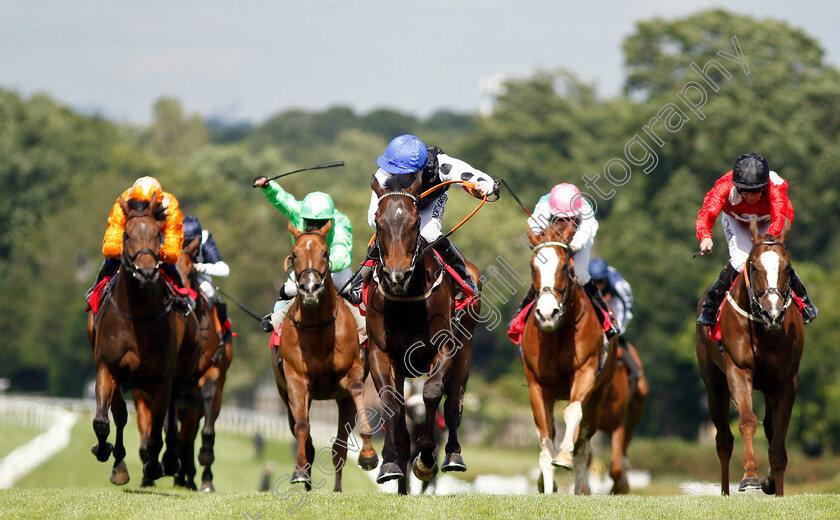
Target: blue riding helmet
(405, 154)
(192, 229)
(598, 268)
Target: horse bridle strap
(546, 244)
(421, 297)
(405, 193)
(751, 294)
(746, 314)
(161, 314)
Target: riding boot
(529, 297)
(714, 297)
(601, 305)
(275, 318)
(108, 268)
(798, 288)
(456, 261)
(363, 276)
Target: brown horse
(414, 331)
(319, 358)
(202, 393)
(761, 348)
(565, 357)
(136, 337)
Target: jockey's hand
(482, 188)
(706, 245)
(260, 182)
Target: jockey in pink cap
(566, 202)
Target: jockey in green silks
(311, 214)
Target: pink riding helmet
(565, 200)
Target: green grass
(236, 469)
(13, 436)
(116, 504)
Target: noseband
(754, 296)
(321, 274)
(553, 291)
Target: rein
(755, 306)
(323, 276)
(128, 260)
(562, 303)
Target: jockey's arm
(713, 203)
(341, 247)
(112, 242)
(780, 205)
(587, 229)
(288, 205)
(541, 216)
(173, 231)
(452, 169)
(374, 204)
(213, 264)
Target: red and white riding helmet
(565, 201)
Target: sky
(250, 59)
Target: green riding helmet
(317, 206)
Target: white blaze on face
(771, 260)
(546, 262)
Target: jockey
(610, 282)
(310, 214)
(173, 234)
(749, 191)
(565, 202)
(208, 262)
(407, 154)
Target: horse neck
(128, 291)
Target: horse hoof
(749, 483)
(423, 472)
(563, 460)
(369, 463)
(301, 476)
(102, 453)
(541, 485)
(147, 483)
(768, 485)
(208, 487)
(171, 464)
(389, 471)
(119, 475)
(206, 457)
(152, 471)
(453, 462)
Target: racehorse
(414, 331)
(202, 395)
(136, 337)
(565, 357)
(761, 345)
(319, 358)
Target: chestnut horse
(202, 394)
(136, 338)
(319, 358)
(414, 331)
(565, 357)
(761, 348)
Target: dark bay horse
(762, 344)
(202, 392)
(319, 358)
(136, 337)
(565, 357)
(414, 331)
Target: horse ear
(124, 206)
(376, 187)
(193, 246)
(756, 237)
(295, 231)
(325, 229)
(785, 230)
(153, 204)
(414, 189)
(535, 238)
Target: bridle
(417, 253)
(322, 275)
(754, 296)
(128, 260)
(553, 290)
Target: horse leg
(150, 415)
(740, 387)
(424, 465)
(299, 410)
(452, 411)
(346, 423)
(368, 459)
(402, 442)
(171, 462)
(211, 395)
(635, 412)
(618, 467)
(779, 418)
(391, 399)
(186, 441)
(717, 392)
(105, 389)
(542, 406)
(591, 399)
(584, 382)
(119, 473)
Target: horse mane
(141, 206)
(399, 182)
